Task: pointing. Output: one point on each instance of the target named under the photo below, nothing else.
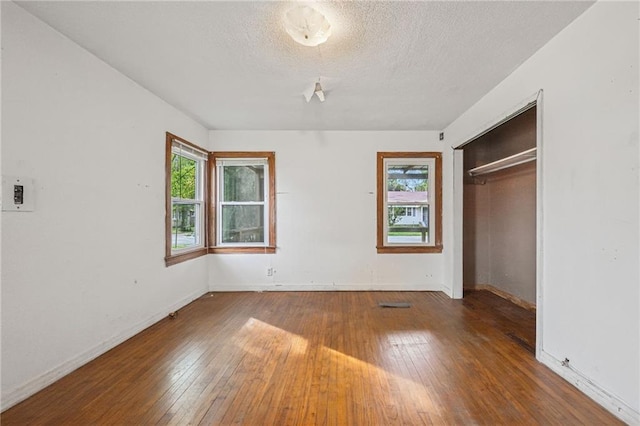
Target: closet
(499, 216)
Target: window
(409, 202)
(186, 200)
(243, 218)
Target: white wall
(326, 215)
(85, 270)
(590, 198)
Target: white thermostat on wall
(17, 194)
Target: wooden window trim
(381, 191)
(169, 258)
(269, 248)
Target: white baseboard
(612, 403)
(323, 287)
(36, 384)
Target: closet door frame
(533, 101)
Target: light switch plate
(9, 184)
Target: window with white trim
(409, 202)
(242, 205)
(244, 202)
(186, 199)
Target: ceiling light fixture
(318, 92)
(316, 89)
(307, 26)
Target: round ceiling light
(307, 26)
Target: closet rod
(503, 163)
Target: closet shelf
(503, 163)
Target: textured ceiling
(387, 65)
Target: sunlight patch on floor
(264, 337)
(261, 339)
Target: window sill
(181, 257)
(409, 249)
(242, 250)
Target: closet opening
(499, 239)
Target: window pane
(243, 183)
(409, 202)
(183, 177)
(408, 224)
(242, 224)
(406, 219)
(184, 226)
(407, 184)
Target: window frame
(172, 256)
(270, 200)
(435, 186)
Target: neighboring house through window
(409, 202)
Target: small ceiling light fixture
(318, 92)
(316, 89)
(307, 26)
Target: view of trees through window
(185, 209)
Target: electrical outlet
(269, 272)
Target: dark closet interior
(499, 218)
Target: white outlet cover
(8, 204)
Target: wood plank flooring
(321, 358)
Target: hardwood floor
(321, 358)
